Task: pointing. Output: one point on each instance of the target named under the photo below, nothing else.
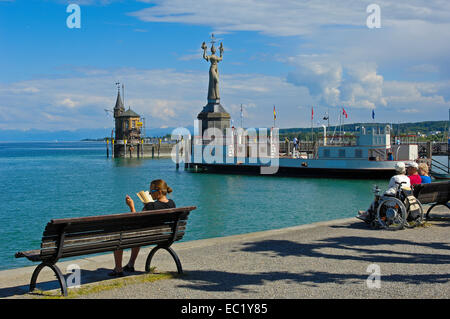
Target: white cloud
(288, 17)
(172, 98)
(163, 97)
(425, 96)
(356, 85)
(424, 68)
(322, 79)
(68, 102)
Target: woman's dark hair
(161, 185)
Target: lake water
(41, 181)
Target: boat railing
(438, 166)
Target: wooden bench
(71, 237)
(437, 193)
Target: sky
(295, 54)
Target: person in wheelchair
(399, 178)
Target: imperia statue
(213, 87)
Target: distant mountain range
(93, 134)
(76, 135)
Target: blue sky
(293, 54)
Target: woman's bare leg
(118, 254)
(133, 256)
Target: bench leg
(172, 253)
(429, 210)
(434, 205)
(56, 270)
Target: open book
(145, 197)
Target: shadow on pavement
(220, 281)
(87, 277)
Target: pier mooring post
(429, 150)
(177, 150)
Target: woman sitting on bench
(158, 191)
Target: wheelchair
(395, 212)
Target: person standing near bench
(158, 191)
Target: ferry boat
(372, 156)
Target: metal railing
(440, 166)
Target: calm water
(41, 181)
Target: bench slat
(100, 231)
(101, 250)
(168, 212)
(108, 245)
(436, 192)
(79, 229)
(110, 236)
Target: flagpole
(312, 116)
(328, 115)
(274, 115)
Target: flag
(312, 113)
(274, 113)
(344, 113)
(373, 114)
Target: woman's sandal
(116, 274)
(128, 269)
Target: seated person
(158, 191)
(423, 173)
(400, 169)
(413, 173)
(400, 177)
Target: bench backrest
(438, 192)
(89, 235)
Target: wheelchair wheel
(391, 214)
(418, 220)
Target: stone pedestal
(214, 115)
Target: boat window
(326, 153)
(358, 153)
(342, 153)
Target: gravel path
(329, 260)
(322, 260)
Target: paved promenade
(322, 260)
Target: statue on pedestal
(213, 87)
(213, 114)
